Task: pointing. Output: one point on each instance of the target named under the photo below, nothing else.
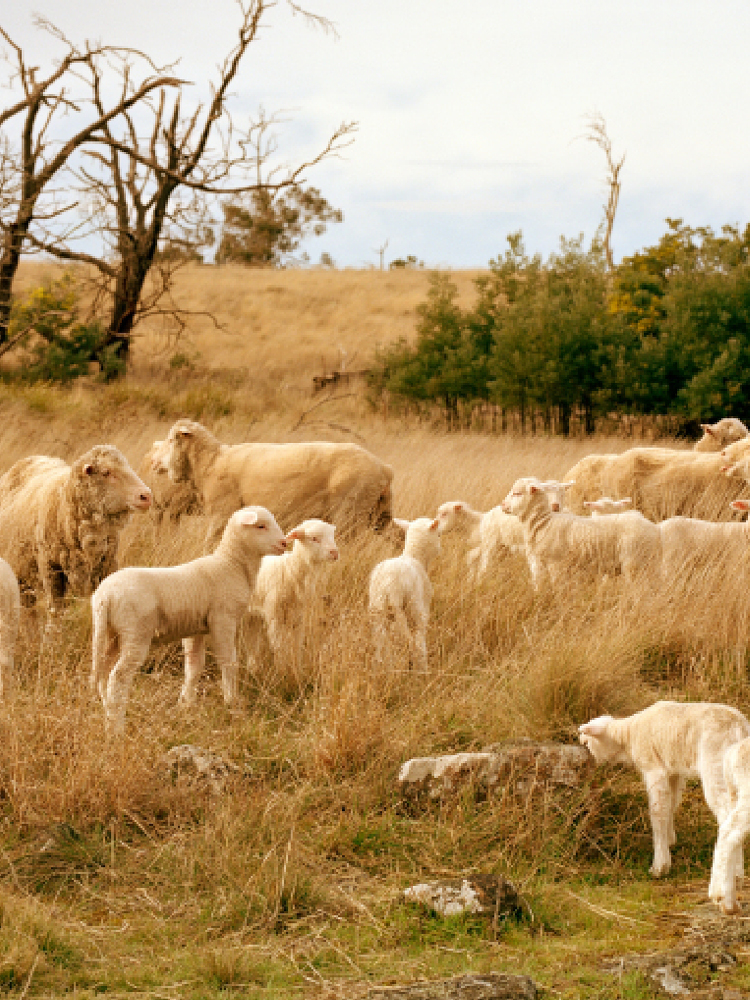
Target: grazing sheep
(558, 542)
(340, 483)
(170, 500)
(606, 506)
(401, 588)
(10, 610)
(207, 596)
(287, 583)
(668, 743)
(688, 542)
(60, 523)
(729, 865)
(724, 432)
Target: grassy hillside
(115, 879)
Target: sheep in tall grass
(287, 583)
(10, 610)
(559, 542)
(60, 523)
(729, 865)
(207, 596)
(400, 589)
(688, 542)
(724, 432)
(668, 743)
(170, 500)
(341, 483)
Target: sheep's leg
(133, 653)
(676, 788)
(660, 809)
(732, 833)
(195, 660)
(223, 633)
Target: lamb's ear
(740, 505)
(297, 534)
(597, 727)
(247, 517)
(401, 523)
(707, 428)
(536, 489)
(435, 525)
(459, 506)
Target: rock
(201, 764)
(488, 895)
(521, 765)
(670, 982)
(474, 986)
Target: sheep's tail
(99, 644)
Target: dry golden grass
(117, 880)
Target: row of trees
(104, 160)
(665, 332)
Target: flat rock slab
(521, 766)
(197, 763)
(489, 986)
(486, 895)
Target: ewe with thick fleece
(558, 542)
(668, 743)
(10, 610)
(729, 864)
(287, 583)
(663, 482)
(401, 588)
(60, 523)
(207, 596)
(341, 483)
(724, 432)
(170, 500)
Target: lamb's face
(104, 476)
(450, 515)
(724, 432)
(522, 494)
(593, 735)
(318, 540)
(257, 531)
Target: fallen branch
(331, 399)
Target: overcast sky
(471, 113)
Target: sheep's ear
(536, 489)
(740, 504)
(707, 428)
(248, 517)
(459, 506)
(435, 525)
(597, 727)
(297, 534)
(88, 469)
(401, 523)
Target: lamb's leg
(195, 660)
(676, 788)
(223, 633)
(660, 809)
(732, 833)
(133, 652)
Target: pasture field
(115, 880)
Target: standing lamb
(668, 743)
(10, 611)
(729, 865)
(340, 483)
(207, 596)
(401, 588)
(724, 432)
(286, 585)
(60, 523)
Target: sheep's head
(422, 537)
(104, 481)
(526, 492)
(176, 456)
(317, 539)
(452, 516)
(594, 736)
(556, 494)
(256, 529)
(724, 432)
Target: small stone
(488, 895)
(201, 764)
(669, 981)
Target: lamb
(401, 587)
(60, 523)
(207, 596)
(340, 483)
(169, 499)
(724, 432)
(556, 542)
(287, 583)
(668, 743)
(10, 610)
(728, 865)
(606, 506)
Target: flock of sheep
(60, 524)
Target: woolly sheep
(170, 500)
(60, 523)
(287, 583)
(688, 542)
(556, 542)
(728, 865)
(401, 588)
(668, 743)
(722, 433)
(10, 610)
(340, 483)
(207, 596)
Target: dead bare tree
(597, 133)
(154, 193)
(31, 160)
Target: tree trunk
(565, 419)
(9, 261)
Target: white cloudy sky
(470, 112)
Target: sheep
(688, 542)
(10, 610)
(340, 483)
(401, 587)
(724, 432)
(668, 743)
(170, 500)
(728, 864)
(559, 541)
(60, 523)
(663, 482)
(207, 596)
(606, 506)
(287, 583)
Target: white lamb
(606, 506)
(287, 583)
(728, 867)
(207, 596)
(10, 611)
(401, 588)
(668, 743)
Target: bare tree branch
(597, 133)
